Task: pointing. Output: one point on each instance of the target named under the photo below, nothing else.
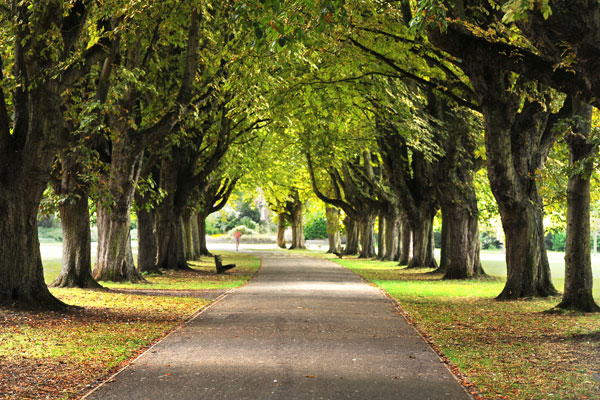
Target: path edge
(185, 323)
(456, 373)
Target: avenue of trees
(388, 112)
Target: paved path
(304, 328)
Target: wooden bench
(219, 264)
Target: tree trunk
(76, 270)
(391, 234)
(578, 260)
(352, 236)
(114, 243)
(463, 239)
(21, 272)
(406, 240)
(367, 237)
(333, 230)
(281, 231)
(115, 259)
(517, 143)
(146, 225)
(297, 229)
(171, 244)
(188, 236)
(196, 236)
(202, 235)
(422, 229)
(381, 237)
(512, 180)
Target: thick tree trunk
(146, 237)
(520, 205)
(332, 215)
(579, 282)
(115, 259)
(517, 144)
(367, 237)
(352, 236)
(391, 235)
(115, 262)
(21, 273)
(196, 236)
(405, 243)
(170, 238)
(297, 229)
(281, 231)
(202, 235)
(335, 243)
(463, 239)
(381, 238)
(422, 228)
(188, 238)
(76, 270)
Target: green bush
(212, 227)
(489, 241)
(556, 241)
(316, 228)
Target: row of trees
(391, 107)
(119, 102)
(416, 86)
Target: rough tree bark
(294, 210)
(114, 262)
(352, 236)
(31, 121)
(578, 294)
(517, 143)
(391, 234)
(456, 193)
(405, 243)
(334, 237)
(202, 235)
(281, 225)
(146, 239)
(76, 270)
(366, 226)
(196, 235)
(415, 191)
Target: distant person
(237, 235)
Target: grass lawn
(509, 350)
(57, 355)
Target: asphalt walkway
(303, 328)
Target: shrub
(316, 228)
(489, 241)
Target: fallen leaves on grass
(58, 354)
(498, 350)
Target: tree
(131, 133)
(39, 72)
(577, 294)
(518, 137)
